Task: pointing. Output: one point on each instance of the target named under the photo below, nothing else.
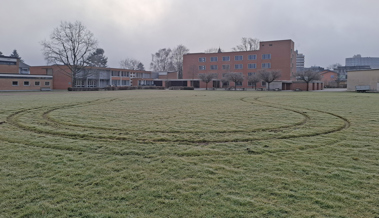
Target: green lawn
(189, 154)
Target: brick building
(94, 77)
(15, 76)
(274, 55)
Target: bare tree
(207, 77)
(69, 45)
(247, 44)
(162, 60)
(253, 80)
(234, 77)
(129, 63)
(269, 76)
(213, 50)
(308, 76)
(334, 66)
(177, 59)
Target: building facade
(15, 76)
(330, 79)
(95, 77)
(358, 60)
(272, 55)
(363, 78)
(300, 61)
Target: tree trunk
(307, 86)
(206, 86)
(235, 86)
(268, 86)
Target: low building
(330, 79)
(15, 76)
(363, 78)
(95, 77)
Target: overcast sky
(325, 31)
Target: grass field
(189, 154)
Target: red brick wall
(326, 77)
(14, 69)
(6, 84)
(282, 52)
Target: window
(266, 65)
(47, 83)
(36, 83)
(213, 67)
(252, 57)
(238, 58)
(202, 59)
(202, 67)
(331, 76)
(125, 83)
(252, 66)
(263, 83)
(238, 66)
(213, 59)
(91, 83)
(238, 83)
(269, 44)
(14, 83)
(115, 73)
(266, 56)
(250, 74)
(79, 83)
(26, 83)
(226, 58)
(7, 63)
(125, 74)
(225, 66)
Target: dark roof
(23, 65)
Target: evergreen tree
(140, 66)
(15, 55)
(97, 58)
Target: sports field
(189, 154)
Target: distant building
(342, 70)
(329, 78)
(315, 68)
(358, 60)
(300, 61)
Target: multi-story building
(342, 70)
(95, 77)
(272, 55)
(15, 76)
(300, 61)
(358, 60)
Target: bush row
(180, 88)
(116, 88)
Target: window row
(236, 66)
(236, 58)
(27, 83)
